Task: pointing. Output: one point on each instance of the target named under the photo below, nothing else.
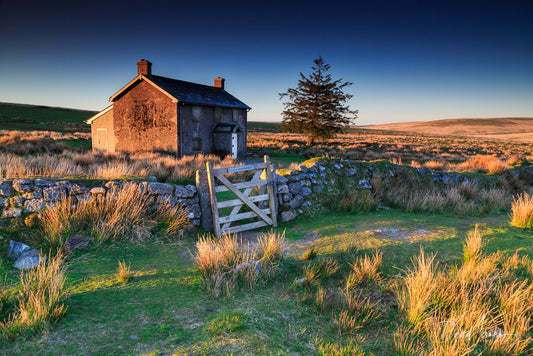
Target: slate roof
(197, 93)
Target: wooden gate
(261, 184)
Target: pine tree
(317, 106)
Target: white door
(234, 145)
(102, 142)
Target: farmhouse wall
(19, 196)
(102, 132)
(145, 119)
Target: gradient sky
(408, 60)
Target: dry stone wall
(20, 196)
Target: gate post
(202, 185)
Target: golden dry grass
(522, 211)
(41, 298)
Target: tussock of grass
(224, 262)
(522, 211)
(41, 299)
(365, 271)
(484, 305)
(124, 273)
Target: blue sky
(408, 60)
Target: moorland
(375, 272)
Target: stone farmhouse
(154, 113)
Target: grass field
(345, 285)
(164, 309)
(30, 117)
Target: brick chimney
(219, 82)
(144, 67)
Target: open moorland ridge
(391, 259)
(508, 128)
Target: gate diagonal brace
(244, 198)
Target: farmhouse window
(218, 114)
(196, 113)
(197, 143)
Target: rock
(16, 249)
(185, 192)
(17, 201)
(295, 187)
(253, 265)
(194, 212)
(300, 282)
(114, 184)
(288, 215)
(280, 179)
(97, 190)
(317, 188)
(36, 194)
(305, 192)
(296, 201)
(365, 183)
(29, 260)
(195, 222)
(160, 188)
(306, 183)
(5, 189)
(283, 189)
(78, 189)
(34, 205)
(4, 202)
(77, 242)
(386, 208)
(12, 213)
(65, 184)
(23, 185)
(43, 183)
(351, 172)
(54, 193)
(304, 169)
(286, 197)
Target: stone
(295, 187)
(283, 189)
(64, 184)
(29, 260)
(4, 202)
(296, 201)
(5, 189)
(305, 192)
(252, 265)
(97, 190)
(288, 215)
(318, 188)
(188, 191)
(34, 205)
(12, 213)
(77, 189)
(113, 185)
(159, 188)
(84, 198)
(16, 249)
(365, 183)
(286, 197)
(351, 172)
(280, 179)
(54, 193)
(304, 169)
(195, 222)
(23, 185)
(306, 183)
(166, 199)
(36, 194)
(77, 242)
(17, 201)
(194, 212)
(43, 183)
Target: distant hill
(38, 117)
(510, 128)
